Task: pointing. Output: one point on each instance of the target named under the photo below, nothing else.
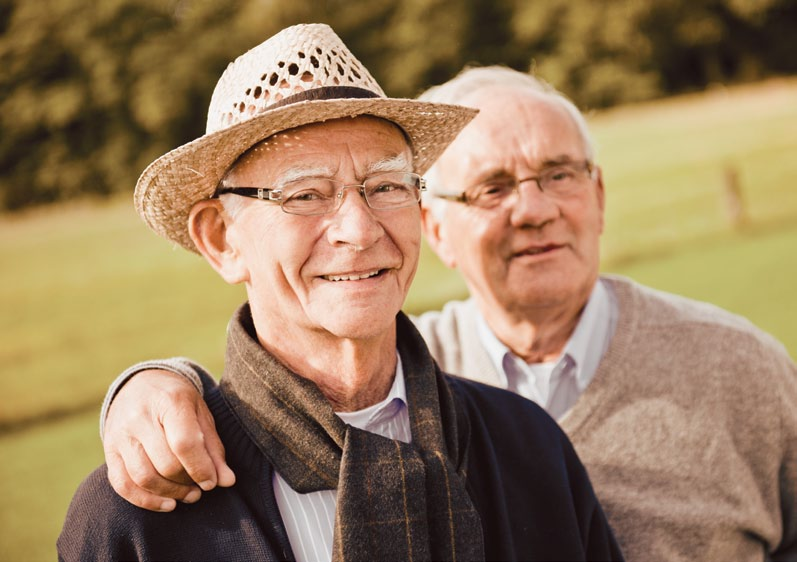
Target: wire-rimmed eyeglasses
(558, 181)
(319, 196)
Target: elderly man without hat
(347, 441)
(685, 415)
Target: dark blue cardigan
(532, 493)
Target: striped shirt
(310, 518)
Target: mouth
(538, 250)
(353, 276)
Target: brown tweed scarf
(395, 501)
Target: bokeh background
(693, 105)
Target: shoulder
(96, 497)
(236, 523)
(667, 339)
(653, 310)
(99, 524)
(668, 309)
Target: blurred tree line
(91, 92)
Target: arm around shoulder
(160, 439)
(192, 372)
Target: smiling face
(539, 252)
(346, 273)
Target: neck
(536, 335)
(352, 373)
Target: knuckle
(123, 486)
(171, 468)
(143, 477)
(187, 443)
(180, 391)
(132, 493)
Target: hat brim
(172, 184)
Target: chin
(356, 323)
(538, 294)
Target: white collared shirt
(310, 518)
(556, 385)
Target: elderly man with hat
(347, 440)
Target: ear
(600, 194)
(209, 226)
(436, 237)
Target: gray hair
(232, 204)
(471, 80)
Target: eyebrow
(302, 172)
(501, 172)
(396, 163)
(558, 160)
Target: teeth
(350, 277)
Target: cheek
(473, 242)
(586, 225)
(276, 254)
(481, 237)
(588, 219)
(408, 239)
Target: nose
(354, 223)
(531, 207)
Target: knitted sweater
(688, 429)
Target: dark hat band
(326, 93)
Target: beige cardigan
(688, 430)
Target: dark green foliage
(91, 92)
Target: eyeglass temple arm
(254, 192)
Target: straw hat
(303, 74)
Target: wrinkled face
(539, 251)
(348, 272)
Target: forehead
(515, 129)
(326, 146)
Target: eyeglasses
(559, 181)
(319, 196)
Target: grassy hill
(86, 289)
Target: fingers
(185, 437)
(154, 465)
(224, 474)
(151, 432)
(126, 486)
(191, 435)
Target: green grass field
(86, 289)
